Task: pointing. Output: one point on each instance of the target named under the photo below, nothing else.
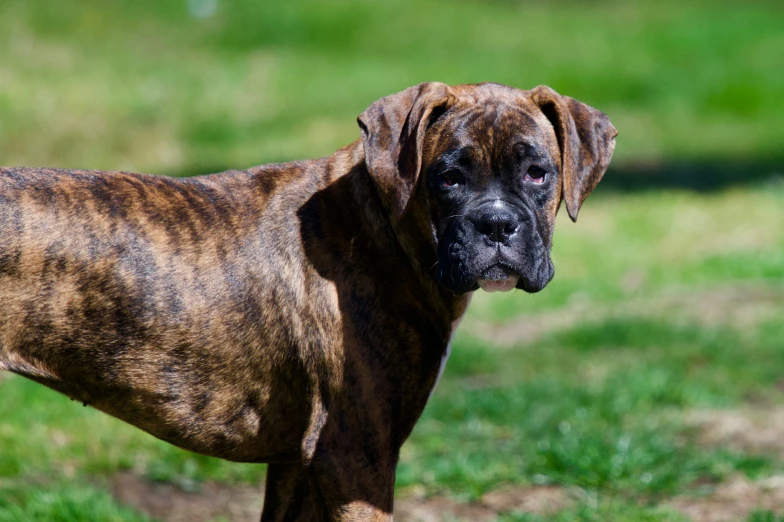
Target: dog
(297, 314)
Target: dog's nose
(497, 225)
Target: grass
(151, 86)
(664, 302)
(591, 415)
(62, 503)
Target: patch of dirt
(440, 508)
(749, 430)
(541, 500)
(170, 504)
(243, 503)
(734, 500)
(738, 305)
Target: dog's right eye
(535, 174)
(452, 178)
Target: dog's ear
(393, 130)
(586, 139)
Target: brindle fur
(293, 314)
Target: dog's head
(485, 167)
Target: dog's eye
(535, 174)
(450, 178)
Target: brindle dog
(297, 314)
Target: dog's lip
(498, 272)
(498, 278)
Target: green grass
(586, 412)
(765, 516)
(145, 86)
(603, 513)
(62, 503)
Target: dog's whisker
(454, 216)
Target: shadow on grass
(700, 176)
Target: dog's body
(295, 314)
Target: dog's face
(485, 166)
(490, 174)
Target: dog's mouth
(498, 278)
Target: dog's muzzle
(497, 248)
(497, 226)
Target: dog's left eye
(535, 174)
(451, 178)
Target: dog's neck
(408, 235)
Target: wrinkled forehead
(491, 124)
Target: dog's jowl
(295, 314)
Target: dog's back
(109, 278)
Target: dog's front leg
(333, 488)
(297, 493)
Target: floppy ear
(393, 130)
(586, 139)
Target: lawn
(151, 86)
(645, 383)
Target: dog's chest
(448, 351)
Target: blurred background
(646, 383)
